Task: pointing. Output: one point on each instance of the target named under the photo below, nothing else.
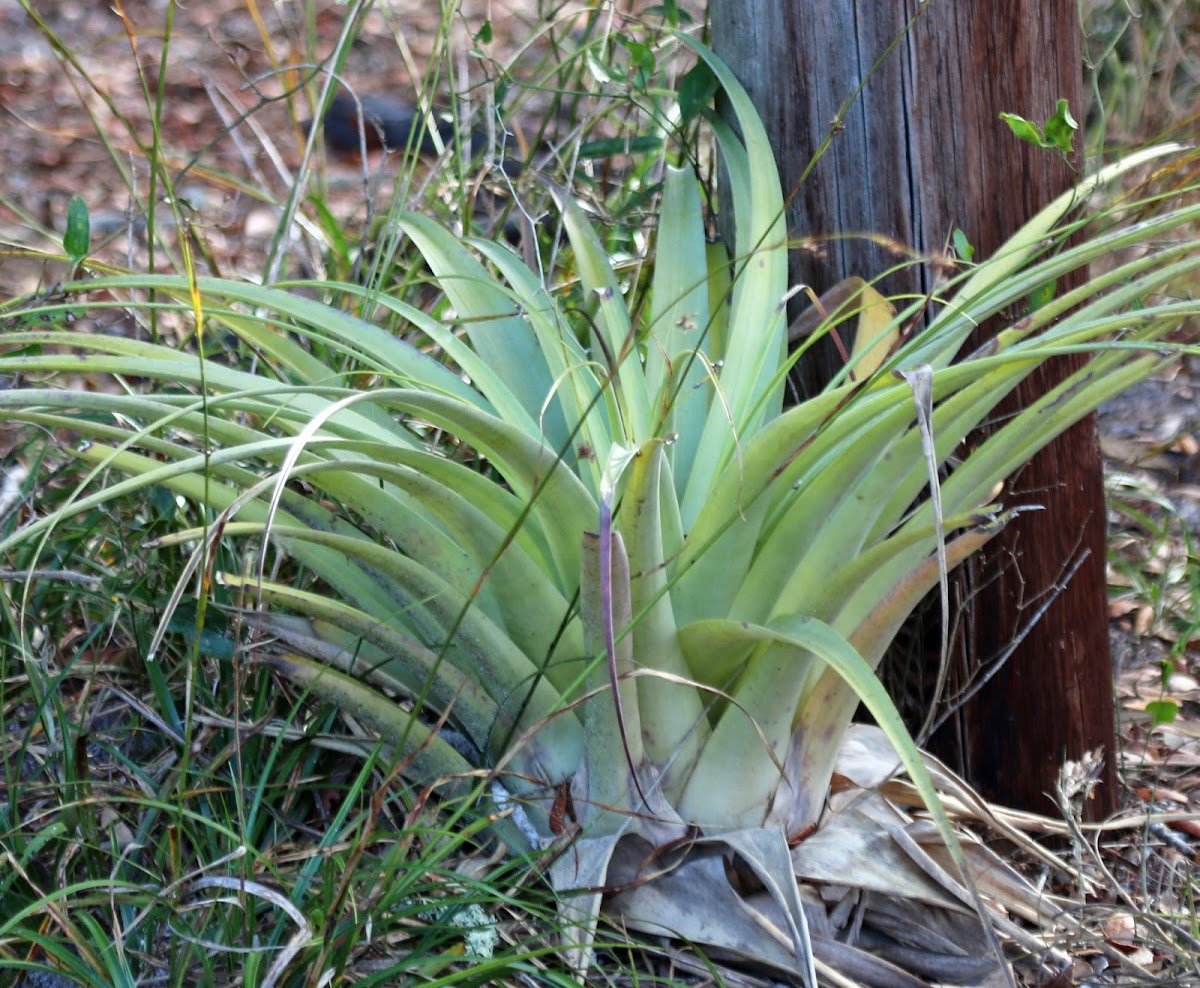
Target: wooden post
(921, 151)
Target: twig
(62, 576)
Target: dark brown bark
(919, 152)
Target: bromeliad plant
(651, 608)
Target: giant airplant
(582, 546)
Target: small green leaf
(962, 246)
(604, 71)
(646, 144)
(1060, 128)
(1030, 133)
(670, 12)
(484, 35)
(162, 500)
(1162, 712)
(696, 90)
(1057, 133)
(215, 642)
(640, 55)
(77, 240)
(1042, 296)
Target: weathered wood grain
(919, 152)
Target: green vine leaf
(77, 240)
(1057, 134)
(962, 246)
(696, 90)
(1162, 712)
(1061, 128)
